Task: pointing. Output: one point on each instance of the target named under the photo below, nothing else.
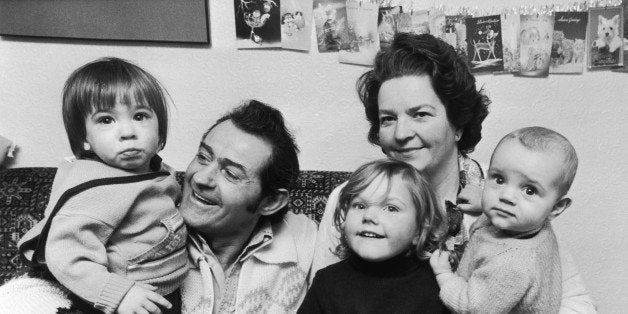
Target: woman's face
(413, 124)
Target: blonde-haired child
(389, 222)
(511, 264)
(112, 233)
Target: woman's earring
(86, 146)
(457, 137)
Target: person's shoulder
(299, 222)
(300, 227)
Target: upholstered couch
(24, 194)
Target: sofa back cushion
(24, 194)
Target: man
(248, 253)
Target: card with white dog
(605, 44)
(625, 67)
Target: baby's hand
(440, 262)
(470, 199)
(142, 298)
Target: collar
(270, 243)
(470, 172)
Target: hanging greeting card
(535, 44)
(330, 20)
(257, 24)
(484, 43)
(456, 33)
(386, 25)
(363, 33)
(605, 37)
(510, 42)
(437, 23)
(625, 39)
(296, 24)
(416, 22)
(568, 42)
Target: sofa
(24, 194)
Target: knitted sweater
(401, 284)
(500, 273)
(106, 237)
(269, 276)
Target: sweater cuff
(454, 295)
(111, 295)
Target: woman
(423, 108)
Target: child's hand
(440, 262)
(142, 298)
(470, 199)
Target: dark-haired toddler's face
(125, 136)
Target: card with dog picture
(330, 20)
(456, 33)
(605, 43)
(484, 43)
(257, 24)
(625, 39)
(535, 44)
(362, 26)
(416, 22)
(296, 24)
(568, 42)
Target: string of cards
(526, 41)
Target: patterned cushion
(24, 194)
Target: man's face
(222, 188)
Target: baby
(111, 233)
(511, 263)
(389, 222)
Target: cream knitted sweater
(501, 274)
(272, 279)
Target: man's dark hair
(267, 123)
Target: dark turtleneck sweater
(402, 284)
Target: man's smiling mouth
(204, 200)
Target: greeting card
(257, 24)
(296, 24)
(568, 42)
(363, 33)
(605, 44)
(535, 44)
(484, 43)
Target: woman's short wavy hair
(411, 54)
(430, 218)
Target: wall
(317, 96)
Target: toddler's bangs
(105, 95)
